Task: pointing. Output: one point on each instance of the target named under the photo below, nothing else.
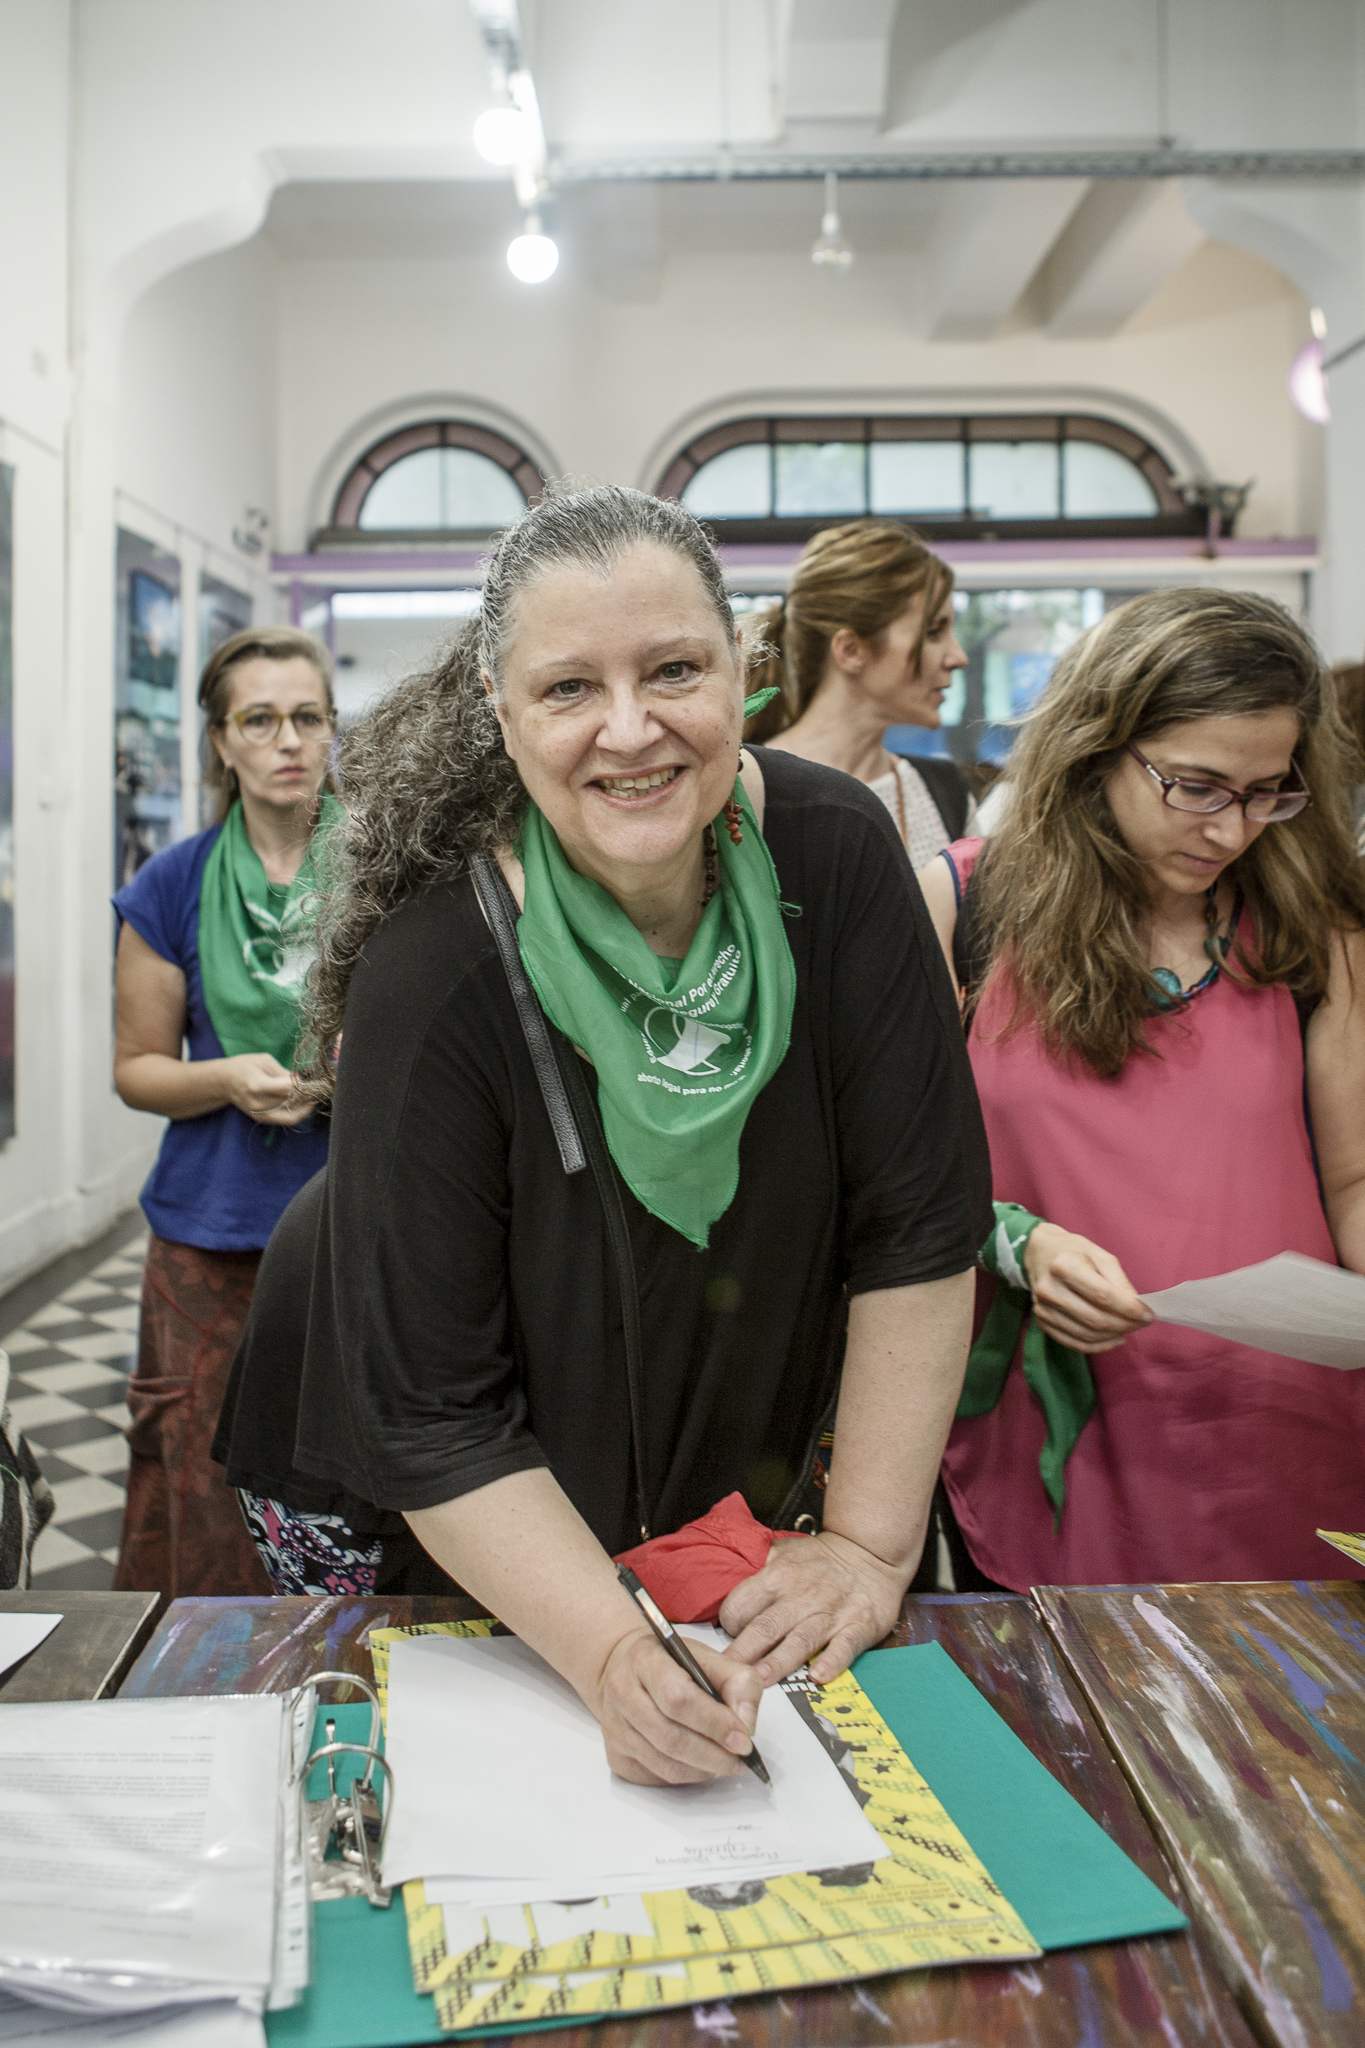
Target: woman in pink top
(1165, 962)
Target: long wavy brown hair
(426, 782)
(861, 576)
(1062, 902)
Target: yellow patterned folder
(931, 1901)
(1349, 1544)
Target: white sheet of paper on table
(140, 1841)
(21, 1633)
(514, 1783)
(1296, 1307)
(23, 2025)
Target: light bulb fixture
(532, 256)
(1307, 378)
(504, 136)
(830, 250)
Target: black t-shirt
(468, 1322)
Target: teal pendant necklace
(1216, 946)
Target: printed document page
(140, 1839)
(1293, 1306)
(511, 1781)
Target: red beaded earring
(731, 811)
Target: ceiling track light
(532, 256)
(831, 251)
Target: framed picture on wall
(147, 775)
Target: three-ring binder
(352, 1823)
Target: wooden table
(89, 1650)
(1238, 1714)
(1152, 1993)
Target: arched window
(444, 478)
(1033, 476)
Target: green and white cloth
(1059, 1377)
(256, 940)
(681, 1048)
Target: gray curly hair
(425, 777)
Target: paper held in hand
(1296, 1307)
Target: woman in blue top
(213, 950)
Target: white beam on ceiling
(1125, 239)
(987, 243)
(836, 60)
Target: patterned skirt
(183, 1531)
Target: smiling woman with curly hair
(572, 920)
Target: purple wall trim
(359, 565)
(352, 568)
(756, 556)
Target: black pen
(679, 1652)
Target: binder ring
(359, 1749)
(363, 1685)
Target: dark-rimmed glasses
(1259, 806)
(260, 727)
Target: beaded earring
(731, 811)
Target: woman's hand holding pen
(821, 1600)
(660, 1728)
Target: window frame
(395, 447)
(1172, 517)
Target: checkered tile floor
(70, 1363)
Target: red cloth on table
(689, 1573)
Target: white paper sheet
(20, 1633)
(139, 1845)
(1293, 1306)
(177, 2026)
(513, 1782)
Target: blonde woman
(863, 640)
(1164, 957)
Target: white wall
(195, 416)
(608, 387)
(41, 1205)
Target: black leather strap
(500, 908)
(608, 1181)
(571, 1106)
(947, 786)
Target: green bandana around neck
(681, 1048)
(1059, 1378)
(255, 943)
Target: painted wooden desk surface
(1238, 1714)
(89, 1650)
(1163, 1990)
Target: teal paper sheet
(1066, 1878)
(1058, 1868)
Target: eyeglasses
(260, 727)
(1259, 806)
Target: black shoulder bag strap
(576, 1122)
(947, 786)
(971, 954)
